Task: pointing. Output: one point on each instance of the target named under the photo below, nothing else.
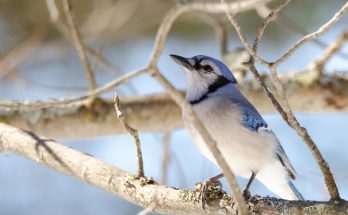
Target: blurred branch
(272, 14)
(109, 16)
(147, 113)
(121, 116)
(80, 46)
(208, 7)
(53, 10)
(213, 8)
(324, 28)
(297, 45)
(285, 22)
(55, 102)
(18, 54)
(140, 191)
(159, 113)
(165, 157)
(220, 31)
(334, 47)
(54, 17)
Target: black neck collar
(218, 83)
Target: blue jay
(248, 145)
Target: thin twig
(220, 31)
(293, 122)
(54, 17)
(285, 22)
(133, 132)
(297, 45)
(265, 23)
(213, 8)
(285, 109)
(80, 46)
(94, 93)
(324, 28)
(20, 53)
(276, 104)
(302, 132)
(241, 35)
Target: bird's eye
(207, 68)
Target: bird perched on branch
(248, 145)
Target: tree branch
(159, 113)
(56, 102)
(134, 132)
(324, 28)
(141, 191)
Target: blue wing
(252, 121)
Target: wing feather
(254, 122)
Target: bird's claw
(208, 190)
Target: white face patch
(204, 74)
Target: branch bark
(159, 112)
(141, 191)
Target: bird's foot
(208, 190)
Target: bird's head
(205, 74)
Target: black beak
(182, 61)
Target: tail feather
(296, 192)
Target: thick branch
(80, 120)
(141, 191)
(160, 113)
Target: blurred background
(38, 62)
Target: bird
(249, 146)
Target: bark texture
(143, 191)
(158, 112)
